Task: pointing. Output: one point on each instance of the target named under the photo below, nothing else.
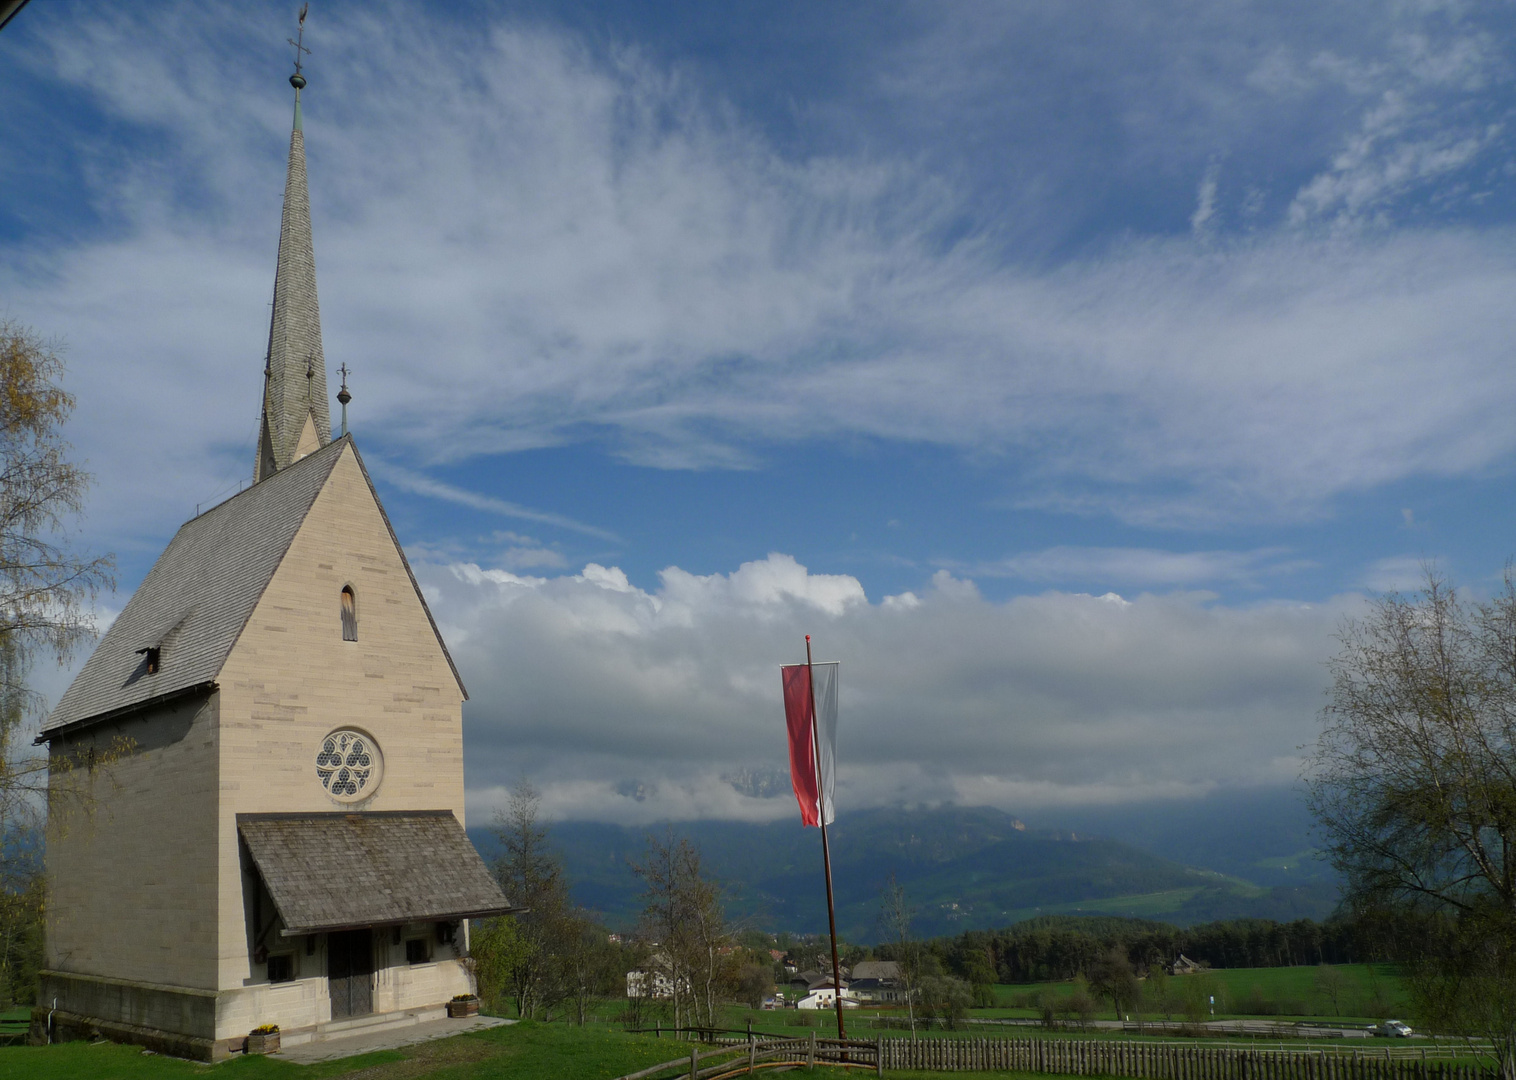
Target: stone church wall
(133, 865)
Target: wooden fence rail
(1143, 1061)
(1146, 1061)
(751, 1055)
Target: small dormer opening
(150, 659)
(349, 614)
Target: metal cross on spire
(299, 43)
(343, 396)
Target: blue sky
(1069, 376)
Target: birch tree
(685, 926)
(46, 589)
(1414, 784)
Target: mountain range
(1229, 856)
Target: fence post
(878, 1055)
(810, 1057)
(752, 1049)
(694, 1062)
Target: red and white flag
(813, 734)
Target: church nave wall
(134, 872)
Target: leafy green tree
(1112, 977)
(496, 949)
(532, 877)
(1158, 993)
(946, 998)
(1414, 783)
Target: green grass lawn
(1370, 992)
(525, 1051)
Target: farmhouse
(281, 840)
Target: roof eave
(126, 711)
(333, 928)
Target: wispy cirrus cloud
(419, 483)
(603, 252)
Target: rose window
(348, 765)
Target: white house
(824, 996)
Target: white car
(1393, 1029)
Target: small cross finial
(299, 43)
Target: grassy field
(527, 1051)
(524, 1051)
(1368, 992)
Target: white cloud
(1397, 573)
(629, 704)
(523, 244)
(1205, 202)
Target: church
(277, 834)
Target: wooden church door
(349, 972)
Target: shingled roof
(198, 596)
(339, 871)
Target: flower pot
(456, 1009)
(263, 1044)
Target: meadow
(602, 1049)
(524, 1051)
(1348, 993)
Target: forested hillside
(963, 868)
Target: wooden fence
(734, 1059)
(1149, 1061)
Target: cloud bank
(635, 705)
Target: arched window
(349, 614)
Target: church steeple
(296, 415)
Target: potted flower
(463, 1005)
(263, 1040)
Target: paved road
(1251, 1028)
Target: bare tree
(682, 919)
(1330, 984)
(895, 918)
(1414, 784)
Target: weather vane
(298, 44)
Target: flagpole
(826, 853)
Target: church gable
(344, 603)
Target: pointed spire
(296, 413)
